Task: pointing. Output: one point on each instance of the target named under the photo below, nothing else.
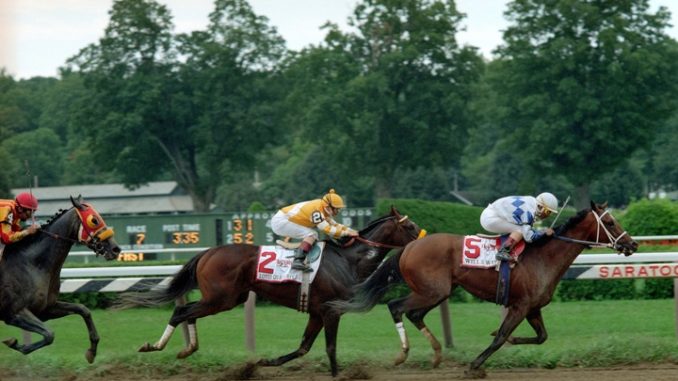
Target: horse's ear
(593, 205)
(603, 205)
(77, 202)
(395, 212)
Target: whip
(30, 186)
(560, 211)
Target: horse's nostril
(116, 250)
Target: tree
(41, 148)
(154, 115)
(584, 84)
(394, 93)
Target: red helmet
(27, 201)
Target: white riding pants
(493, 223)
(283, 227)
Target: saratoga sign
(619, 271)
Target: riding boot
(300, 256)
(504, 253)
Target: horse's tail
(182, 282)
(368, 293)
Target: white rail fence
(588, 266)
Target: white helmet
(548, 201)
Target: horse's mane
(374, 224)
(573, 221)
(55, 217)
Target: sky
(38, 36)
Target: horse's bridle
(94, 240)
(599, 220)
(422, 233)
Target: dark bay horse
(226, 274)
(30, 269)
(432, 268)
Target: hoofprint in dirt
(645, 372)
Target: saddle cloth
(479, 251)
(275, 264)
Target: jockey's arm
(8, 235)
(529, 233)
(334, 229)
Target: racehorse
(226, 274)
(431, 267)
(30, 269)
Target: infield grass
(600, 333)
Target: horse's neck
(49, 253)
(565, 253)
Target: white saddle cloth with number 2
(275, 265)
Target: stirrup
(299, 265)
(504, 256)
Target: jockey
(301, 219)
(516, 215)
(12, 213)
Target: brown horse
(226, 274)
(432, 269)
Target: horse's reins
(599, 219)
(59, 237)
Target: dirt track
(645, 372)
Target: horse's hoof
(147, 347)
(401, 358)
(475, 373)
(268, 362)
(12, 343)
(90, 355)
(437, 358)
(185, 353)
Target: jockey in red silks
(12, 214)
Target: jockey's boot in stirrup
(504, 253)
(298, 263)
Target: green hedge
(651, 217)
(436, 216)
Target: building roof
(115, 199)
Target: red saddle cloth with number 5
(480, 250)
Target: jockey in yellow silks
(12, 214)
(303, 220)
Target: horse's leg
(416, 316)
(28, 322)
(537, 323)
(416, 306)
(396, 308)
(331, 321)
(61, 309)
(515, 315)
(169, 330)
(313, 327)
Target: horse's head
(609, 231)
(393, 230)
(94, 232)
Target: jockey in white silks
(516, 215)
